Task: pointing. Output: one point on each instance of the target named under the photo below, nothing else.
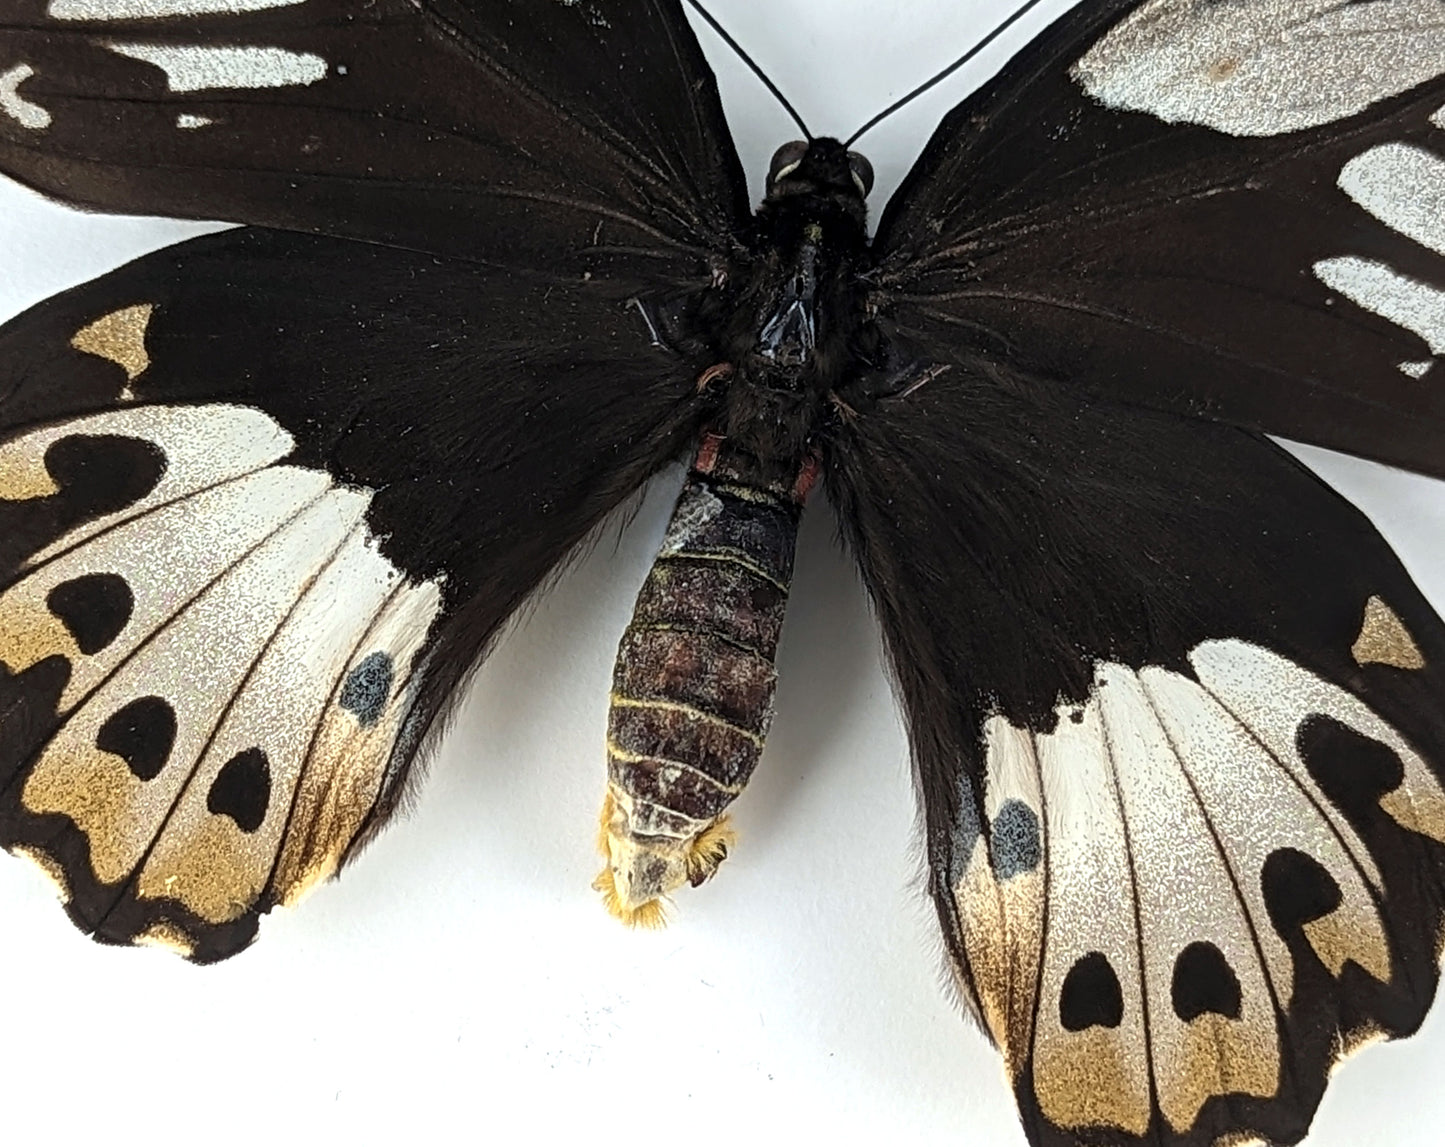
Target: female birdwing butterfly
(999, 831)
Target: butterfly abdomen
(692, 693)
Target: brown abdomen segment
(692, 692)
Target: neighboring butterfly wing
(1176, 712)
(567, 137)
(264, 499)
(1234, 209)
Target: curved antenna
(943, 75)
(757, 71)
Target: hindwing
(231, 609)
(1180, 755)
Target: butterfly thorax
(790, 327)
(692, 695)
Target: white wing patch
(1403, 186)
(1406, 302)
(194, 68)
(1118, 922)
(1263, 67)
(156, 9)
(17, 107)
(240, 657)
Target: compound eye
(786, 160)
(862, 172)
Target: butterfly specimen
(266, 496)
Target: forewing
(1176, 716)
(564, 137)
(264, 499)
(1232, 210)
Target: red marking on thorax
(707, 453)
(807, 476)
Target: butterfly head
(820, 169)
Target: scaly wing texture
(264, 498)
(1234, 210)
(1176, 713)
(569, 137)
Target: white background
(462, 983)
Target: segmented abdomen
(692, 693)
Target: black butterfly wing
(1175, 713)
(573, 138)
(265, 499)
(1230, 210)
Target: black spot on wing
(1297, 889)
(141, 733)
(1014, 843)
(1204, 982)
(242, 790)
(367, 687)
(1353, 770)
(95, 608)
(97, 475)
(1091, 995)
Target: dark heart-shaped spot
(97, 474)
(1091, 996)
(367, 687)
(94, 608)
(242, 790)
(1354, 770)
(105, 472)
(1204, 982)
(1014, 842)
(141, 733)
(1297, 889)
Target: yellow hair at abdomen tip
(651, 915)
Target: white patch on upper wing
(1407, 302)
(1416, 369)
(192, 68)
(155, 9)
(17, 107)
(187, 122)
(1403, 186)
(1263, 67)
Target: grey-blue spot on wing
(367, 687)
(1014, 843)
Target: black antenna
(948, 71)
(757, 71)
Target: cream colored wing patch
(1152, 872)
(240, 660)
(1263, 67)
